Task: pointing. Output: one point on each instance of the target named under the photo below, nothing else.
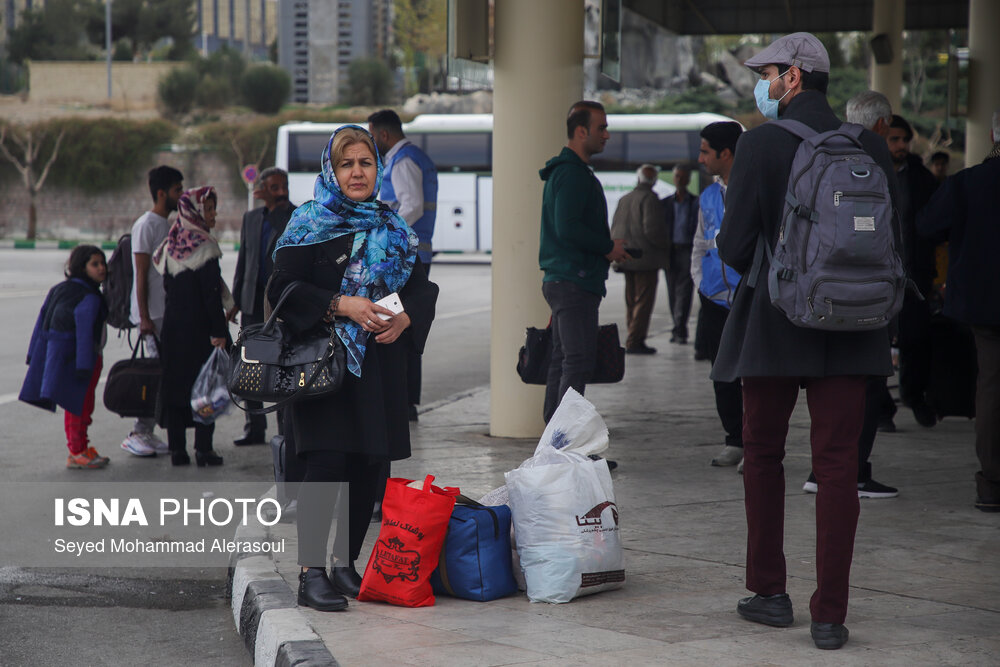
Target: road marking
(21, 294)
(462, 313)
(12, 398)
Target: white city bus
(461, 146)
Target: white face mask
(762, 93)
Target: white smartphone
(391, 302)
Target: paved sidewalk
(925, 582)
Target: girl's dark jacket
(64, 346)
(369, 414)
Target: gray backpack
(835, 265)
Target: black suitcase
(951, 386)
(133, 384)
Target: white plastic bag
(564, 511)
(209, 395)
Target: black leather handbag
(534, 356)
(133, 384)
(270, 364)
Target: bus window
(612, 158)
(659, 148)
(304, 151)
(466, 151)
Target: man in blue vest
(409, 186)
(716, 282)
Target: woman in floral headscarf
(350, 250)
(194, 320)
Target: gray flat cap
(800, 49)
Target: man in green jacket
(575, 251)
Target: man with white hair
(964, 212)
(639, 220)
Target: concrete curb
(266, 615)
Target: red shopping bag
(414, 525)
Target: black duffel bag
(134, 383)
(534, 356)
(270, 364)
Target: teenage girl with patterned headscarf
(194, 320)
(350, 250)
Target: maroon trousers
(836, 411)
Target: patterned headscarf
(383, 252)
(189, 230)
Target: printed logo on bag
(593, 520)
(392, 561)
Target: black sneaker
(872, 489)
(773, 610)
(987, 504)
(640, 349)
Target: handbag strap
(141, 343)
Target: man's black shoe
(640, 349)
(773, 610)
(316, 591)
(252, 439)
(828, 635)
(346, 580)
(923, 414)
(680, 340)
(886, 425)
(987, 504)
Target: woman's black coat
(192, 317)
(369, 414)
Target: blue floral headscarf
(384, 249)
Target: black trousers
(680, 287)
(177, 419)
(914, 349)
(255, 426)
(318, 500)
(728, 395)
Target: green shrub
(265, 88)
(214, 93)
(369, 82)
(178, 89)
(102, 155)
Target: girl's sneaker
(85, 460)
(97, 457)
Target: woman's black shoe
(346, 580)
(316, 591)
(180, 458)
(208, 458)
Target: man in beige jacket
(639, 220)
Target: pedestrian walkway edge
(264, 610)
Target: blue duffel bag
(475, 562)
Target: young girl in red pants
(64, 356)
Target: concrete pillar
(887, 18)
(538, 74)
(984, 73)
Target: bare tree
(29, 141)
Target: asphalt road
(166, 616)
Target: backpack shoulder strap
(796, 127)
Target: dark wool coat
(917, 253)
(965, 211)
(369, 414)
(246, 291)
(758, 340)
(64, 346)
(193, 316)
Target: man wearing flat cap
(774, 357)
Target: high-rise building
(318, 40)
